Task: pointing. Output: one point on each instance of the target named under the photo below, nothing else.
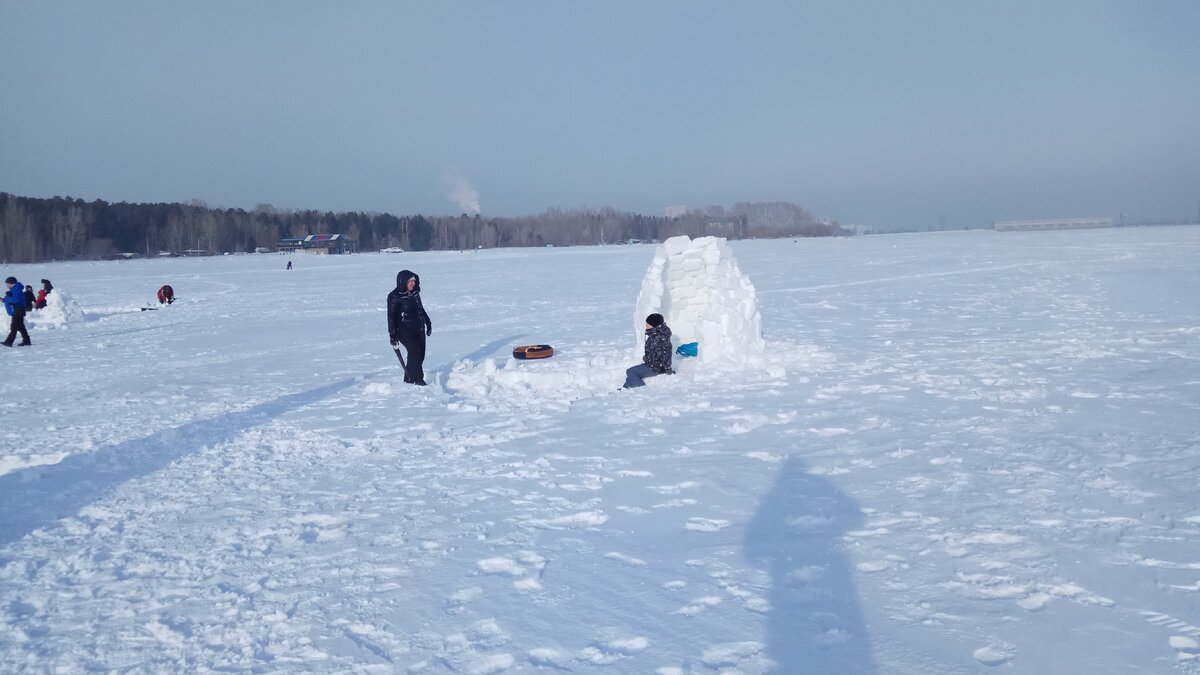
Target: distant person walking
(409, 325)
(289, 264)
(14, 303)
(656, 359)
(166, 295)
(30, 301)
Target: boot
(6, 343)
(24, 344)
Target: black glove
(428, 330)
(394, 338)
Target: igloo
(697, 287)
(60, 310)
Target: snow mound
(59, 311)
(563, 380)
(698, 288)
(557, 379)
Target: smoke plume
(460, 191)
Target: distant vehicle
(391, 249)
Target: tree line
(62, 228)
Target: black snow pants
(18, 326)
(413, 339)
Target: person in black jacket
(657, 358)
(30, 300)
(408, 324)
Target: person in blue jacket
(408, 324)
(14, 303)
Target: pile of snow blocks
(698, 288)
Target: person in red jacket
(40, 301)
(166, 295)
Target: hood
(402, 280)
(660, 329)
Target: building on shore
(319, 244)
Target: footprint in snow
(549, 657)
(489, 664)
(992, 656)
(518, 567)
(605, 653)
(706, 524)
(625, 559)
(730, 654)
(699, 605)
(674, 489)
(1188, 648)
(457, 600)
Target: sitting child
(657, 358)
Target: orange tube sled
(528, 352)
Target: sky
(868, 112)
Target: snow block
(698, 288)
(60, 310)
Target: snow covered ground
(979, 453)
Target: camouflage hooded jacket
(658, 349)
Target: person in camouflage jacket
(657, 358)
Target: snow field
(980, 454)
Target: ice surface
(975, 452)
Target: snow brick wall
(60, 310)
(698, 288)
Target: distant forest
(61, 228)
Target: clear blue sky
(878, 112)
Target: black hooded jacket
(404, 309)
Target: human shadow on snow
(814, 624)
(491, 347)
(39, 496)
